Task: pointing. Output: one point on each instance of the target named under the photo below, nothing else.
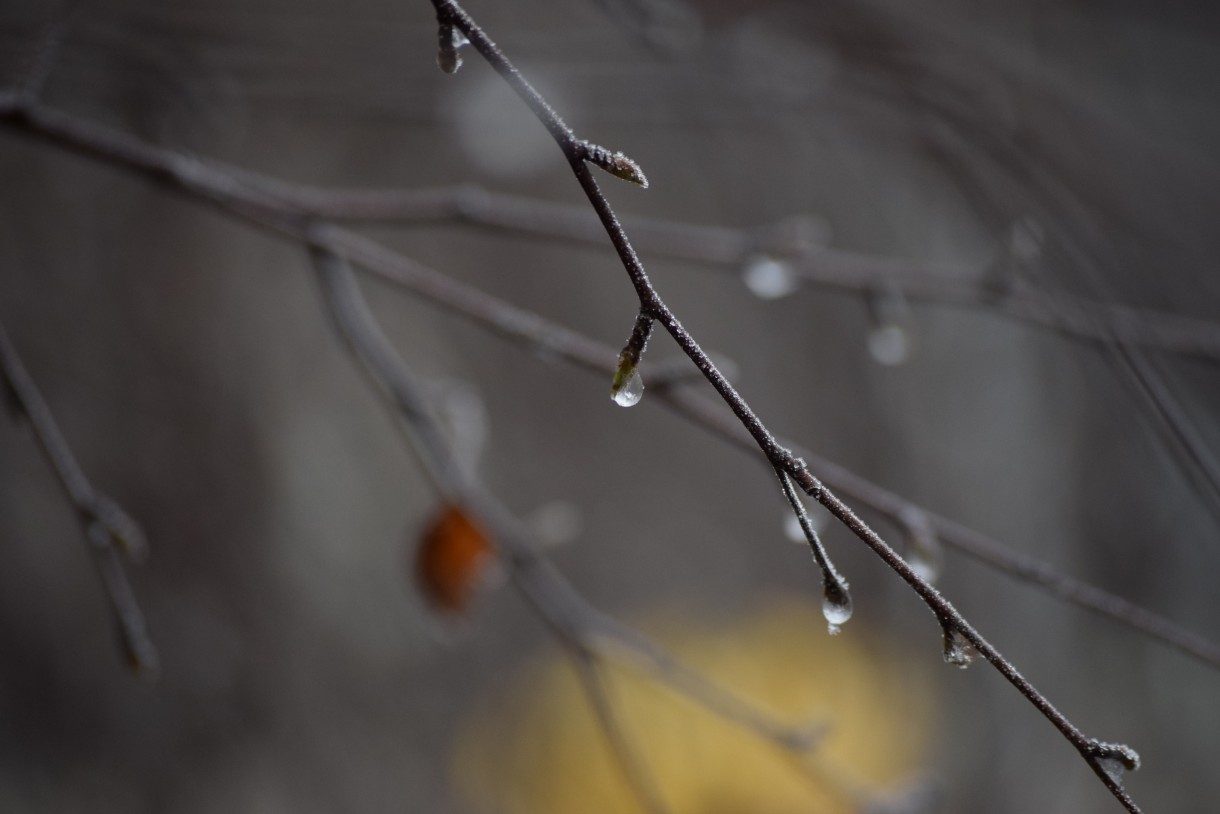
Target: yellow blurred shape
(537, 748)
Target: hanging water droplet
(836, 605)
(889, 344)
(958, 650)
(768, 278)
(627, 389)
(1114, 759)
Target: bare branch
(107, 528)
(651, 304)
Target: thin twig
(652, 305)
(635, 771)
(108, 529)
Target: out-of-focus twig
(728, 248)
(108, 529)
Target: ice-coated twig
(782, 459)
(836, 601)
(107, 528)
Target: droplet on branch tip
(628, 386)
(836, 604)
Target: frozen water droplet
(889, 344)
(628, 390)
(958, 650)
(768, 278)
(1114, 759)
(836, 605)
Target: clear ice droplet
(768, 278)
(836, 606)
(889, 344)
(629, 391)
(958, 650)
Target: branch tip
(616, 163)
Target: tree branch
(108, 529)
(1099, 756)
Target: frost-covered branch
(1104, 759)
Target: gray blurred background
(190, 364)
